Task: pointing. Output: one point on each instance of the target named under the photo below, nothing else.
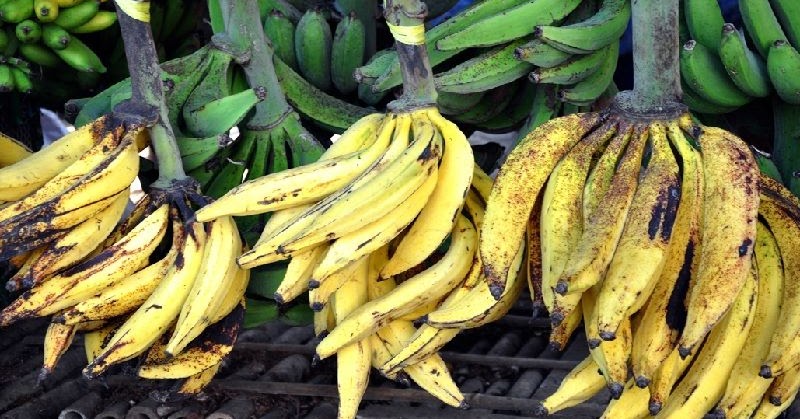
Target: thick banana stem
(656, 80)
(418, 86)
(243, 25)
(147, 100)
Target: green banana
(761, 24)
(28, 31)
(697, 103)
(541, 54)
(509, 25)
(605, 27)
(81, 57)
(365, 11)
(39, 54)
(347, 53)
(326, 110)
(232, 172)
(279, 159)
(220, 115)
(280, 31)
(389, 76)
(45, 10)
(4, 40)
(312, 46)
(783, 64)
(704, 20)
(303, 148)
(456, 103)
(22, 80)
(192, 69)
(493, 103)
(366, 76)
(6, 78)
(516, 112)
(266, 7)
(72, 17)
(574, 70)
(15, 11)
(55, 36)
(486, 71)
(786, 128)
(788, 12)
(592, 87)
(102, 20)
(766, 165)
(747, 70)
(195, 152)
(544, 107)
(704, 73)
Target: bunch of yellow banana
(646, 231)
(374, 210)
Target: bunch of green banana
(579, 54)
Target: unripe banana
(55, 36)
(704, 73)
(747, 70)
(280, 31)
(46, 10)
(783, 63)
(102, 20)
(312, 44)
(71, 18)
(15, 11)
(761, 24)
(6, 78)
(347, 53)
(81, 57)
(39, 54)
(28, 31)
(22, 81)
(704, 20)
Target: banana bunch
(45, 33)
(570, 44)
(722, 71)
(374, 209)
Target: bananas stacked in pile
(721, 72)
(622, 218)
(373, 211)
(509, 40)
(150, 283)
(43, 32)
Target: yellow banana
(579, 385)
(12, 151)
(633, 403)
(298, 273)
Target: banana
(579, 385)
(611, 356)
(761, 24)
(789, 16)
(6, 78)
(696, 103)
(778, 207)
(28, 31)
(784, 388)
(781, 61)
(632, 404)
(57, 339)
(601, 233)
(304, 184)
(280, 32)
(219, 115)
(298, 273)
(217, 272)
(193, 385)
(663, 383)
(438, 215)
(704, 20)
(325, 110)
(493, 103)
(312, 46)
(603, 28)
(744, 387)
(15, 11)
(102, 20)
(320, 290)
(704, 383)
(29, 174)
(642, 249)
(456, 103)
(704, 73)
(593, 86)
(39, 54)
(91, 275)
(196, 152)
(77, 243)
(747, 70)
(55, 37)
(511, 24)
(351, 247)
(731, 176)
(94, 340)
(572, 71)
(80, 57)
(72, 17)
(663, 316)
(160, 309)
(491, 69)
(439, 279)
(209, 349)
(516, 188)
(347, 53)
(541, 54)
(22, 80)
(12, 151)
(355, 359)
(46, 10)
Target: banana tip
(683, 351)
(315, 360)
(765, 371)
(540, 410)
(775, 400)
(654, 407)
(463, 405)
(313, 283)
(11, 286)
(616, 390)
(607, 336)
(496, 290)
(278, 298)
(593, 343)
(556, 318)
(642, 381)
(317, 306)
(43, 374)
(562, 287)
